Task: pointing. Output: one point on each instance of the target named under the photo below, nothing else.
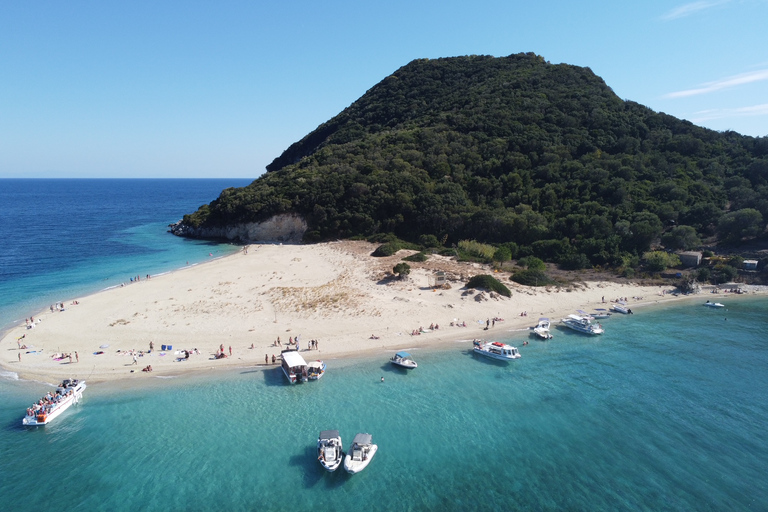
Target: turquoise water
(666, 411)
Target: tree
(401, 269)
(681, 237)
(745, 223)
(658, 261)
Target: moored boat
(403, 359)
(714, 304)
(48, 408)
(621, 307)
(495, 350)
(329, 450)
(600, 313)
(582, 324)
(294, 366)
(315, 370)
(542, 329)
(361, 453)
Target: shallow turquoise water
(666, 411)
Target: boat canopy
(403, 355)
(292, 358)
(600, 309)
(327, 435)
(582, 312)
(575, 317)
(315, 364)
(543, 319)
(361, 439)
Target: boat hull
(492, 355)
(410, 365)
(356, 466)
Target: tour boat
(714, 304)
(542, 329)
(315, 370)
(294, 366)
(621, 307)
(48, 408)
(360, 455)
(495, 350)
(403, 359)
(600, 313)
(329, 450)
(582, 324)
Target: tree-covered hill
(505, 150)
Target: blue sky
(219, 89)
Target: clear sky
(219, 89)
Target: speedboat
(294, 366)
(600, 313)
(495, 350)
(621, 307)
(542, 329)
(315, 370)
(403, 359)
(329, 450)
(48, 408)
(582, 324)
(714, 304)
(361, 453)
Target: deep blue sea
(666, 411)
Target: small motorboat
(621, 307)
(403, 360)
(600, 313)
(542, 329)
(315, 370)
(714, 304)
(361, 453)
(582, 324)
(495, 350)
(329, 450)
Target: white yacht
(714, 304)
(403, 359)
(621, 307)
(542, 329)
(329, 450)
(361, 453)
(294, 366)
(582, 324)
(48, 408)
(495, 350)
(315, 370)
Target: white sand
(335, 293)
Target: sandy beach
(335, 293)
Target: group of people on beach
(421, 330)
(59, 356)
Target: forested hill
(511, 149)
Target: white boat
(542, 329)
(48, 408)
(361, 453)
(621, 307)
(582, 324)
(329, 450)
(495, 350)
(294, 366)
(714, 304)
(403, 359)
(315, 370)
(600, 313)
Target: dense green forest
(539, 158)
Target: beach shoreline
(334, 292)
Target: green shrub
(502, 254)
(387, 249)
(532, 277)
(658, 261)
(418, 257)
(489, 283)
(576, 261)
(532, 263)
(429, 241)
(402, 269)
(474, 248)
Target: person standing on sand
(151, 346)
(230, 350)
(19, 356)
(273, 358)
(77, 358)
(266, 358)
(135, 359)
